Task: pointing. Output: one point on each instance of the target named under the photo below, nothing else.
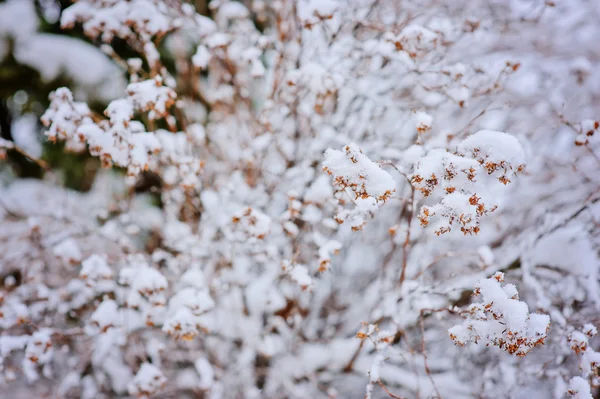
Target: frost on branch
(460, 180)
(362, 180)
(148, 381)
(501, 320)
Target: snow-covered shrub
(304, 199)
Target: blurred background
(36, 58)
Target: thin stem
(388, 392)
(41, 163)
(407, 239)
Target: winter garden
(296, 199)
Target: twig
(350, 366)
(387, 391)
(41, 163)
(423, 350)
(407, 239)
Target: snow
(215, 251)
(106, 315)
(54, 55)
(68, 250)
(18, 19)
(417, 40)
(148, 381)
(95, 268)
(299, 273)
(312, 11)
(250, 223)
(579, 388)
(589, 127)
(198, 301)
(10, 343)
(590, 330)
(117, 18)
(201, 58)
(25, 134)
(182, 324)
(151, 95)
(231, 10)
(64, 115)
(38, 352)
(501, 320)
(206, 372)
(423, 122)
(458, 180)
(326, 251)
(491, 146)
(7, 144)
(144, 280)
(351, 168)
(217, 40)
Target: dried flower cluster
(501, 320)
(365, 184)
(458, 178)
